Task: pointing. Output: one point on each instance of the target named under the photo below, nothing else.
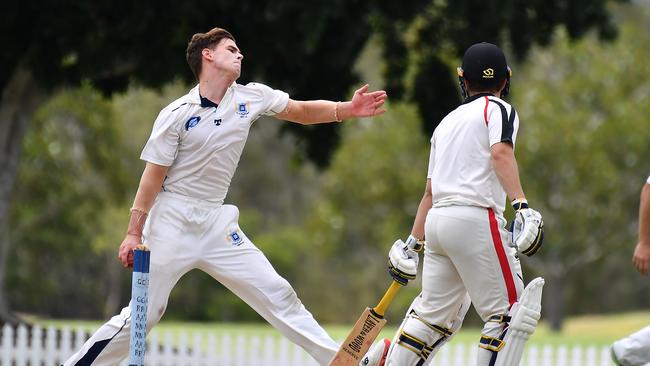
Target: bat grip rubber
(143, 247)
(388, 297)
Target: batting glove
(403, 259)
(527, 228)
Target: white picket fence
(45, 347)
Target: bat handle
(380, 309)
(141, 258)
(143, 247)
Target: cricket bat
(139, 300)
(365, 331)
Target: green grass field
(598, 330)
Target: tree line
(71, 165)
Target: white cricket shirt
(460, 166)
(202, 142)
(648, 181)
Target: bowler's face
(227, 57)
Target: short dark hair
(200, 41)
(474, 87)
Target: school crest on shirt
(243, 109)
(192, 122)
(235, 237)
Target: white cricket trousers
(634, 350)
(467, 253)
(185, 233)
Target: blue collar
(205, 102)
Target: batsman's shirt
(460, 166)
(201, 142)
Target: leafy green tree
(583, 155)
(305, 48)
(113, 44)
(70, 170)
(370, 195)
(420, 40)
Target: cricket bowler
(179, 209)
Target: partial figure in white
(634, 350)
(469, 254)
(179, 209)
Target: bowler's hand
(367, 104)
(125, 254)
(641, 257)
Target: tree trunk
(554, 301)
(20, 99)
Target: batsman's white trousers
(634, 350)
(467, 252)
(184, 233)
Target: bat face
(359, 340)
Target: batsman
(469, 254)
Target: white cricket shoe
(376, 356)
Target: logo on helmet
(488, 73)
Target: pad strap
(491, 343)
(445, 332)
(500, 318)
(417, 346)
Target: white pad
(525, 314)
(417, 340)
(455, 326)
